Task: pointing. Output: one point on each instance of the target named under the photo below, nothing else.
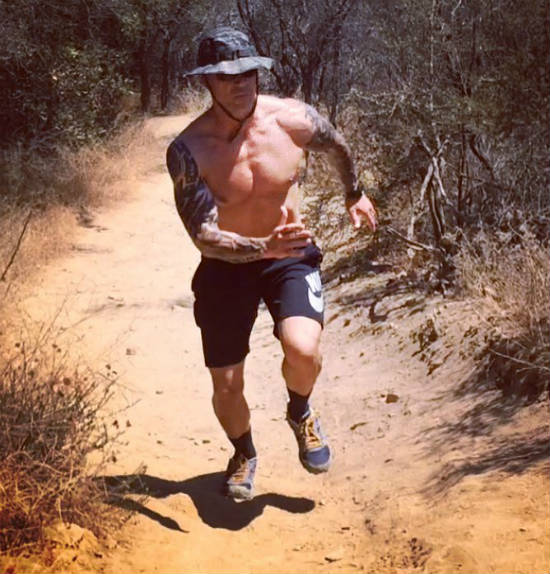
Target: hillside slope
(433, 471)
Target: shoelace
(241, 472)
(311, 437)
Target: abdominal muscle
(259, 213)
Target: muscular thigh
(292, 289)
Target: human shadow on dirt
(205, 491)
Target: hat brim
(232, 67)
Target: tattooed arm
(325, 138)
(199, 213)
(313, 132)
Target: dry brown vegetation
(504, 270)
(511, 282)
(52, 407)
(53, 191)
(49, 423)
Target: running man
(235, 171)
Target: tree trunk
(165, 82)
(144, 76)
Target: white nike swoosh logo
(316, 301)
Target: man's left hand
(360, 210)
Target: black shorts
(227, 296)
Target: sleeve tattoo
(199, 213)
(327, 139)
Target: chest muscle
(256, 165)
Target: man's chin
(242, 109)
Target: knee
(303, 353)
(227, 386)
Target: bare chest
(260, 163)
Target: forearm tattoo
(327, 139)
(198, 211)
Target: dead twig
(417, 207)
(519, 361)
(17, 246)
(411, 242)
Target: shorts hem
(219, 364)
(276, 325)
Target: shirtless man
(235, 174)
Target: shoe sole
(316, 469)
(238, 493)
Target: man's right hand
(287, 239)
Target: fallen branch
(519, 361)
(17, 246)
(411, 242)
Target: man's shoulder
(190, 133)
(285, 106)
(291, 116)
(182, 150)
(187, 145)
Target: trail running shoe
(313, 449)
(239, 477)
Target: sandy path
(123, 295)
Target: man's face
(235, 91)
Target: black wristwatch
(356, 193)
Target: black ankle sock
(298, 406)
(244, 444)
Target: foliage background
(459, 86)
(445, 104)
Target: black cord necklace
(239, 120)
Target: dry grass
(50, 411)
(59, 189)
(88, 176)
(194, 100)
(512, 280)
(510, 277)
(50, 421)
(107, 170)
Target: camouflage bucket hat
(228, 51)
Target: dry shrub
(53, 188)
(45, 237)
(49, 423)
(510, 275)
(89, 175)
(50, 412)
(108, 169)
(513, 279)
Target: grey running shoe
(239, 477)
(313, 449)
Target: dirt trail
(421, 481)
